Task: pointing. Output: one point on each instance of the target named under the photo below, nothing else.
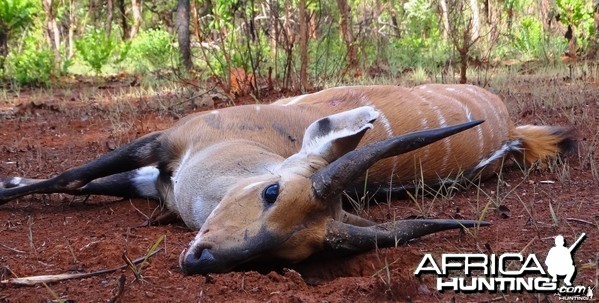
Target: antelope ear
(333, 136)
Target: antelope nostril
(199, 261)
(197, 253)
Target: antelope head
(295, 211)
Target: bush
(31, 66)
(529, 38)
(151, 50)
(97, 50)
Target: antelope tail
(541, 143)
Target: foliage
(530, 41)
(151, 50)
(528, 38)
(574, 12)
(420, 45)
(579, 15)
(262, 37)
(97, 49)
(15, 15)
(32, 65)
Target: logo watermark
(509, 272)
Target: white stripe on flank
(424, 123)
(446, 141)
(506, 148)
(432, 95)
(479, 129)
(386, 124)
(382, 117)
(488, 108)
(295, 100)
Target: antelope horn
(345, 238)
(334, 178)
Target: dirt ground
(54, 234)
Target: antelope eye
(271, 193)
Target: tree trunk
(123, 15)
(545, 14)
(93, 12)
(182, 25)
(72, 26)
(196, 19)
(289, 37)
(136, 10)
(52, 31)
(393, 13)
(475, 33)
(572, 41)
(3, 46)
(303, 45)
(463, 50)
(274, 29)
(347, 34)
(445, 18)
(108, 25)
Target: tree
(348, 35)
(136, 10)
(14, 17)
(475, 22)
(52, 30)
(182, 25)
(123, 16)
(108, 24)
(303, 44)
(572, 13)
(461, 32)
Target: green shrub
(15, 16)
(151, 50)
(528, 38)
(31, 66)
(98, 50)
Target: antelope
(266, 181)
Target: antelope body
(265, 181)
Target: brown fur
(541, 143)
(411, 109)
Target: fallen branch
(581, 221)
(12, 249)
(33, 280)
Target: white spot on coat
(145, 181)
(295, 100)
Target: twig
(12, 249)
(581, 221)
(33, 280)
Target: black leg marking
(141, 152)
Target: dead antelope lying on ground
(266, 181)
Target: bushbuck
(266, 181)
